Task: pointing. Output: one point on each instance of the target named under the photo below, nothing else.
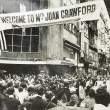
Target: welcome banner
(80, 12)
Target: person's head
(23, 85)
(82, 83)
(9, 84)
(30, 89)
(39, 90)
(48, 95)
(16, 85)
(10, 91)
(91, 93)
(103, 86)
(20, 89)
(74, 100)
(102, 97)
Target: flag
(2, 41)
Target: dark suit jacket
(11, 104)
(40, 104)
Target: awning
(71, 45)
(93, 48)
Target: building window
(72, 54)
(20, 41)
(91, 36)
(35, 4)
(20, 5)
(81, 1)
(68, 2)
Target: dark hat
(10, 90)
(39, 89)
(23, 85)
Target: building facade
(55, 49)
(50, 49)
(98, 34)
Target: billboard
(80, 12)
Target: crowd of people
(40, 92)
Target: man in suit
(38, 103)
(10, 102)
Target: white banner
(80, 12)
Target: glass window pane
(16, 43)
(26, 44)
(16, 48)
(9, 42)
(17, 40)
(27, 31)
(20, 41)
(34, 43)
(45, 4)
(35, 5)
(17, 31)
(35, 31)
(10, 31)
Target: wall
(70, 33)
(84, 38)
(54, 38)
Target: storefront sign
(80, 12)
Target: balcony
(16, 56)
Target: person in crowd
(23, 93)
(81, 91)
(2, 97)
(36, 92)
(89, 101)
(102, 100)
(66, 89)
(104, 86)
(16, 93)
(89, 84)
(74, 100)
(49, 96)
(38, 103)
(10, 102)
